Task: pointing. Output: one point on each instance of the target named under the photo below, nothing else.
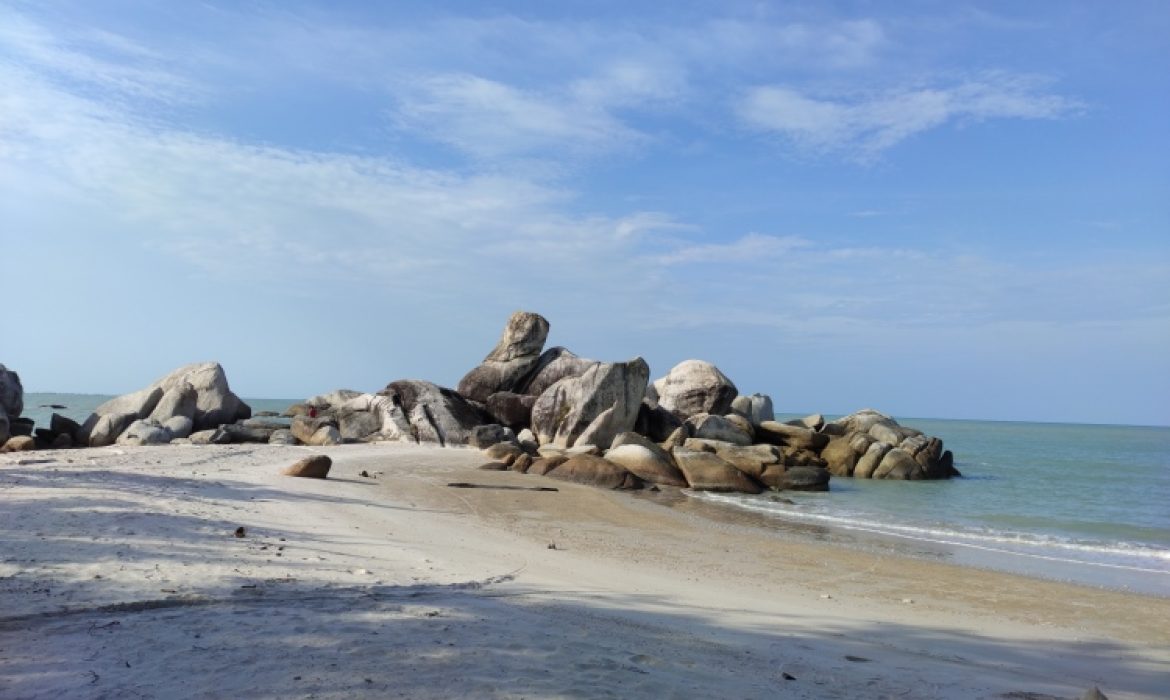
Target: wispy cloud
(864, 126)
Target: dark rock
(806, 479)
(493, 467)
(436, 414)
(62, 441)
(21, 426)
(61, 425)
(483, 436)
(511, 409)
(242, 434)
(655, 422)
(11, 393)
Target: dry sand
(121, 577)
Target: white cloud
(752, 248)
(490, 119)
(865, 126)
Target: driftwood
(465, 485)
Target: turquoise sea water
(1089, 503)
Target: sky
(955, 210)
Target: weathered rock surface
(553, 365)
(648, 462)
(600, 404)
(840, 456)
(595, 471)
(655, 422)
(757, 408)
(707, 426)
(313, 467)
(883, 449)
(751, 460)
(11, 393)
(436, 414)
(517, 351)
(695, 386)
(487, 435)
(215, 404)
(19, 443)
(511, 409)
(775, 433)
(705, 471)
(806, 479)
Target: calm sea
(1086, 503)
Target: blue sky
(934, 209)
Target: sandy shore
(121, 577)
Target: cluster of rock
(551, 412)
(536, 411)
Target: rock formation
(694, 386)
(197, 392)
(510, 361)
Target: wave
(1117, 555)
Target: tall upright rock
(11, 400)
(510, 361)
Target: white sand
(120, 577)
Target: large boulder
(510, 361)
(757, 408)
(840, 456)
(180, 400)
(646, 460)
(552, 366)
(655, 422)
(868, 462)
(11, 393)
(705, 471)
(782, 434)
(752, 460)
(595, 471)
(436, 414)
(694, 386)
(511, 409)
(707, 426)
(215, 404)
(600, 404)
(806, 479)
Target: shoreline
(637, 599)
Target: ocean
(1083, 503)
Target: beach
(122, 576)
